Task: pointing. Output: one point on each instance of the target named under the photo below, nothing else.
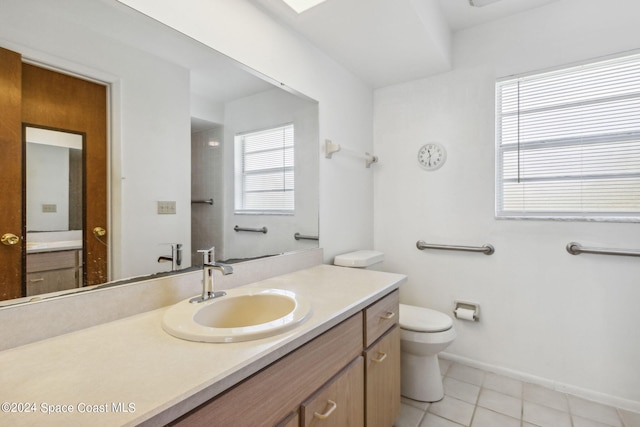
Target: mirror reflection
(175, 110)
(53, 180)
(53, 210)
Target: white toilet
(423, 334)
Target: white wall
(155, 127)
(345, 103)
(47, 183)
(545, 315)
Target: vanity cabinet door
(51, 281)
(383, 380)
(340, 402)
(52, 271)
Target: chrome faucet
(175, 258)
(208, 265)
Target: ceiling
(384, 42)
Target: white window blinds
(568, 143)
(265, 171)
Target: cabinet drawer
(381, 316)
(51, 261)
(340, 402)
(51, 281)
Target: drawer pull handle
(381, 357)
(36, 280)
(388, 316)
(332, 407)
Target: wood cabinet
(348, 376)
(269, 396)
(382, 380)
(53, 271)
(292, 420)
(382, 367)
(338, 403)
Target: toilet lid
(420, 319)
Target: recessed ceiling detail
(480, 3)
(301, 5)
(386, 42)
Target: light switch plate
(166, 207)
(49, 207)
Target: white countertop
(132, 364)
(62, 245)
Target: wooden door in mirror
(11, 254)
(44, 98)
(60, 101)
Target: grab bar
(299, 236)
(576, 248)
(256, 230)
(486, 249)
(208, 201)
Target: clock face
(431, 156)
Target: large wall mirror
(176, 111)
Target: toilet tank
(367, 259)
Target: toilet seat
(420, 319)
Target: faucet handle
(208, 255)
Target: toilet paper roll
(465, 314)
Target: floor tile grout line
(482, 386)
(475, 408)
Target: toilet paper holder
(466, 311)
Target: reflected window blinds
(265, 172)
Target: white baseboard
(605, 399)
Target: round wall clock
(432, 156)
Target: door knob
(99, 232)
(9, 239)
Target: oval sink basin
(243, 314)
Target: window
(264, 171)
(568, 143)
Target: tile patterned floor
(475, 398)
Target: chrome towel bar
(255, 230)
(576, 249)
(299, 236)
(208, 201)
(486, 249)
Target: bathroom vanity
(54, 271)
(326, 380)
(54, 262)
(343, 361)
